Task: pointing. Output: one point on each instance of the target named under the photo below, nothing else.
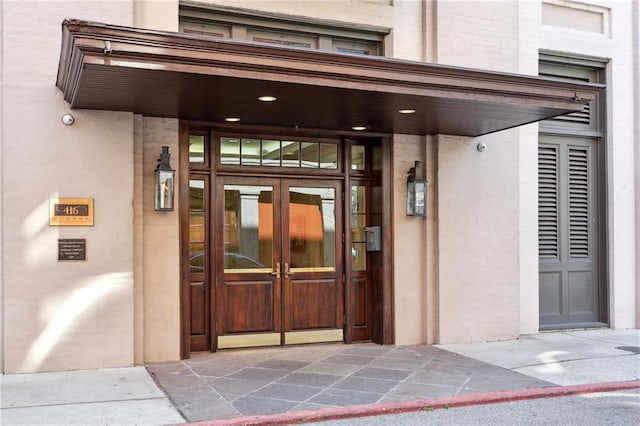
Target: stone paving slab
(275, 380)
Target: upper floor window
(283, 30)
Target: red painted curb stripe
(323, 414)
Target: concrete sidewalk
(321, 378)
(114, 396)
(564, 358)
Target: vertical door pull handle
(287, 271)
(276, 273)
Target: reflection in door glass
(358, 223)
(290, 154)
(309, 152)
(197, 231)
(229, 151)
(358, 158)
(248, 228)
(196, 149)
(250, 152)
(270, 152)
(312, 227)
(328, 156)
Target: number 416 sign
(71, 211)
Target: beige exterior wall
(528, 34)
(479, 278)
(156, 14)
(157, 246)
(409, 248)
(636, 66)
(478, 203)
(62, 315)
(160, 261)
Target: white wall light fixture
(68, 119)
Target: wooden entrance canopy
(203, 78)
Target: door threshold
(315, 336)
(248, 340)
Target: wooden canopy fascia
(204, 78)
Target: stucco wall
(156, 14)
(478, 192)
(478, 241)
(409, 247)
(62, 315)
(160, 257)
(636, 66)
(528, 57)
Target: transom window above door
(278, 153)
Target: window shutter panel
(579, 117)
(578, 203)
(548, 241)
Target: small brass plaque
(71, 211)
(72, 249)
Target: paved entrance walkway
(274, 380)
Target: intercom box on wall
(373, 237)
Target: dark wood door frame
(383, 331)
(300, 303)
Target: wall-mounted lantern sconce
(163, 186)
(416, 191)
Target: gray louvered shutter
(583, 117)
(579, 209)
(548, 216)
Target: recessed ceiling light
(267, 98)
(232, 119)
(407, 111)
(359, 127)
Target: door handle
(287, 271)
(276, 273)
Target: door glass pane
(270, 153)
(229, 151)
(197, 255)
(328, 156)
(358, 223)
(250, 152)
(312, 228)
(357, 158)
(290, 154)
(358, 257)
(248, 228)
(309, 152)
(196, 258)
(196, 148)
(376, 158)
(358, 199)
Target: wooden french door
(279, 277)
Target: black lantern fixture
(164, 182)
(416, 191)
